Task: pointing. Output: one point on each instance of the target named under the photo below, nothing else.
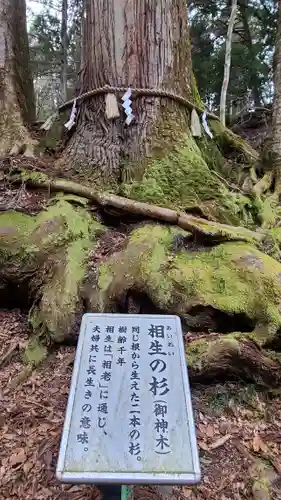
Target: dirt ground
(238, 431)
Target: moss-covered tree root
(221, 286)
(233, 355)
(202, 227)
(46, 256)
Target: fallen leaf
(187, 492)
(221, 441)
(48, 457)
(27, 467)
(201, 428)
(209, 431)
(17, 458)
(258, 444)
(203, 446)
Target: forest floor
(238, 430)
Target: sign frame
(169, 478)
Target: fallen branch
(201, 227)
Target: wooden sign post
(129, 417)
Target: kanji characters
(156, 331)
(159, 387)
(83, 438)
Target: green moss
(52, 247)
(217, 232)
(195, 94)
(196, 353)
(60, 297)
(151, 269)
(201, 352)
(177, 180)
(105, 277)
(261, 474)
(35, 352)
(30, 237)
(267, 211)
(271, 242)
(15, 236)
(233, 277)
(71, 198)
(181, 179)
(37, 177)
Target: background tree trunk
(11, 119)
(276, 111)
(227, 60)
(128, 43)
(22, 69)
(254, 79)
(64, 50)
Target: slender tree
(254, 79)
(227, 62)
(276, 115)
(64, 49)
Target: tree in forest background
(252, 51)
(55, 37)
(275, 137)
(227, 62)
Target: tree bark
(11, 119)
(276, 110)
(254, 83)
(64, 50)
(227, 61)
(23, 74)
(128, 43)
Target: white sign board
(129, 415)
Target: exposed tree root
(216, 231)
(235, 279)
(231, 356)
(21, 377)
(263, 184)
(26, 148)
(230, 143)
(6, 358)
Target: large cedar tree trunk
(129, 43)
(15, 93)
